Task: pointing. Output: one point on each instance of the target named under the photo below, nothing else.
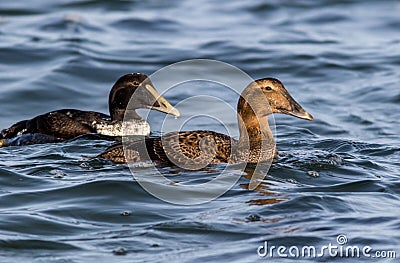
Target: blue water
(336, 175)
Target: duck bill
(302, 114)
(160, 103)
(296, 110)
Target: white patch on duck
(134, 127)
(21, 132)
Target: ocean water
(337, 178)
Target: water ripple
(335, 175)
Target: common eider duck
(65, 124)
(194, 149)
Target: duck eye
(268, 88)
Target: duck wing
(190, 149)
(62, 124)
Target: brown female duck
(194, 149)
(66, 124)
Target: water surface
(336, 175)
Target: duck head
(268, 95)
(146, 96)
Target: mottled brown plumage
(196, 149)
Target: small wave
(35, 244)
(311, 159)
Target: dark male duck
(66, 124)
(195, 149)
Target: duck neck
(256, 138)
(116, 114)
(120, 114)
(117, 105)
